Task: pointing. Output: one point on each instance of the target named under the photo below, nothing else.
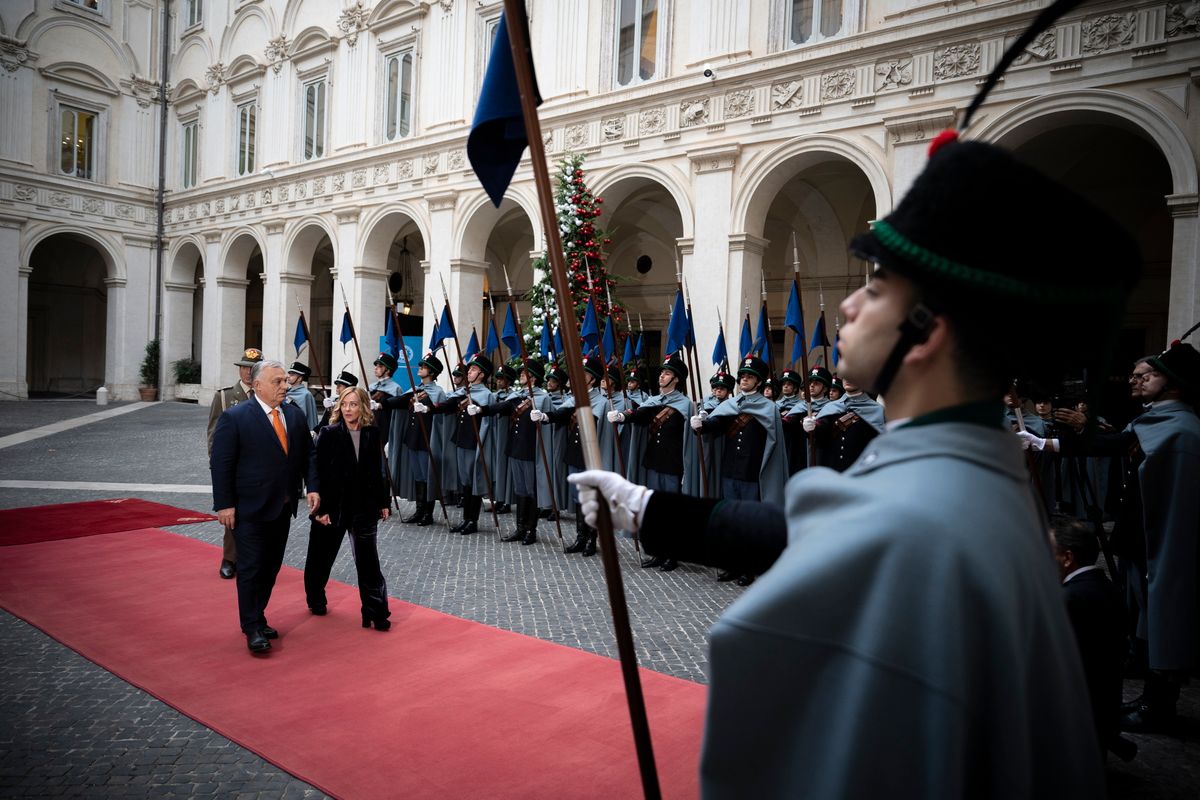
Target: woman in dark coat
(354, 497)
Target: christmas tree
(583, 253)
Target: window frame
(817, 36)
(660, 39)
(250, 102)
(189, 125)
(193, 14)
(320, 125)
(397, 55)
(60, 102)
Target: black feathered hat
(677, 366)
(430, 362)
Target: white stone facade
(816, 138)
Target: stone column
(745, 286)
(908, 138)
(14, 306)
(466, 299)
(224, 319)
(131, 310)
(1184, 309)
(714, 272)
(365, 292)
(276, 339)
(16, 102)
(438, 255)
(176, 330)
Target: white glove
(419, 408)
(537, 416)
(375, 406)
(473, 410)
(697, 421)
(1031, 442)
(809, 424)
(626, 501)
(329, 402)
(616, 416)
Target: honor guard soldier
(770, 389)
(661, 454)
(635, 379)
(844, 427)
(471, 438)
(819, 381)
(902, 641)
(300, 395)
(836, 389)
(382, 388)
(506, 376)
(224, 399)
(556, 442)
(458, 377)
(790, 383)
(721, 387)
(564, 417)
(409, 458)
(526, 471)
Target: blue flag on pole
(300, 337)
(498, 137)
(628, 349)
(391, 336)
(510, 337)
(589, 331)
(493, 341)
(472, 347)
(762, 341)
(691, 331)
(819, 337)
(795, 321)
(558, 346)
(608, 348)
(720, 354)
(347, 331)
(547, 342)
(443, 330)
(677, 328)
(834, 355)
(747, 343)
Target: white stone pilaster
(224, 318)
(138, 143)
(276, 341)
(466, 298)
(16, 104)
(714, 273)
(1184, 308)
(129, 329)
(438, 255)
(14, 306)
(219, 139)
(176, 330)
(908, 137)
(348, 126)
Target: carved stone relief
(612, 129)
(651, 121)
(12, 55)
(430, 165)
(248, 200)
(787, 95)
(125, 210)
(837, 85)
(404, 169)
(893, 74)
(219, 205)
(283, 194)
(380, 175)
(214, 76)
(234, 203)
(339, 181)
(191, 212)
(205, 210)
(60, 200)
(318, 185)
(1043, 48)
(144, 91)
(358, 179)
(693, 112)
(301, 190)
(1183, 19)
(957, 61)
(456, 160)
(276, 51)
(93, 205)
(739, 103)
(1107, 32)
(25, 193)
(576, 136)
(266, 196)
(351, 21)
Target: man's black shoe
(466, 528)
(745, 580)
(655, 561)
(257, 642)
(318, 611)
(724, 576)
(1144, 720)
(227, 570)
(530, 537)
(515, 536)
(459, 527)
(503, 508)
(270, 632)
(669, 565)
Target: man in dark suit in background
(261, 452)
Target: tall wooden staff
(518, 37)
(420, 417)
(512, 309)
(616, 431)
(387, 473)
(825, 342)
(694, 375)
(487, 474)
(767, 317)
(312, 346)
(812, 439)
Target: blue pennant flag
(301, 337)
(589, 331)
(493, 341)
(625, 359)
(391, 337)
(762, 342)
(747, 343)
(691, 330)
(472, 347)
(819, 337)
(442, 331)
(558, 346)
(720, 355)
(498, 136)
(510, 337)
(677, 328)
(547, 342)
(608, 348)
(795, 321)
(637, 351)
(834, 355)
(347, 331)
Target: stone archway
(308, 278)
(183, 309)
(68, 322)
(395, 245)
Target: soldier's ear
(939, 343)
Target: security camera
(270, 173)
(708, 71)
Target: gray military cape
(639, 434)
(300, 396)
(773, 474)
(714, 450)
(440, 430)
(604, 432)
(480, 396)
(542, 402)
(497, 457)
(555, 437)
(1169, 434)
(867, 409)
(911, 641)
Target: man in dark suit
(1096, 610)
(261, 452)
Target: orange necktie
(279, 430)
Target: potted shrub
(187, 379)
(149, 372)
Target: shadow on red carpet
(438, 707)
(72, 520)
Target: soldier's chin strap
(913, 331)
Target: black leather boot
(461, 527)
(519, 533)
(419, 496)
(589, 549)
(581, 535)
(427, 509)
(471, 505)
(531, 520)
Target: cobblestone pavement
(68, 727)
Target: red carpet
(72, 520)
(439, 707)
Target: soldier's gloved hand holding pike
(626, 500)
(420, 408)
(616, 416)
(536, 416)
(697, 421)
(809, 424)
(473, 410)
(1036, 443)
(329, 402)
